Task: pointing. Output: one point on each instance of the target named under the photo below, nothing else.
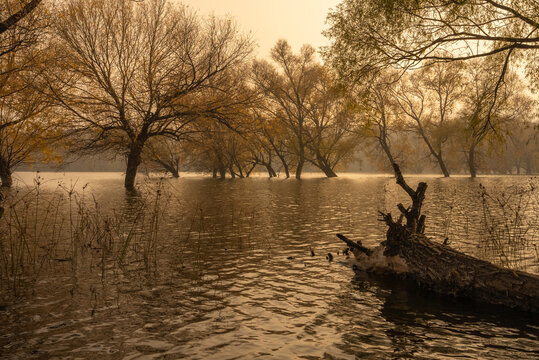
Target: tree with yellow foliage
(25, 117)
(131, 71)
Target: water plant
(509, 221)
(65, 226)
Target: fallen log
(449, 272)
(408, 253)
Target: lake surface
(228, 274)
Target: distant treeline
(152, 84)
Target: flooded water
(228, 274)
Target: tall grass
(510, 225)
(48, 229)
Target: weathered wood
(450, 272)
(355, 245)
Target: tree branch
(15, 18)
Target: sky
(298, 21)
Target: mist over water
(235, 278)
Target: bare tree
(428, 97)
(131, 71)
(329, 129)
(376, 112)
(288, 85)
(477, 104)
(272, 136)
(164, 154)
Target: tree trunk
(133, 161)
(299, 168)
(1, 208)
(437, 155)
(250, 170)
(222, 172)
(173, 170)
(471, 162)
(5, 174)
(324, 166)
(214, 173)
(240, 170)
(271, 171)
(442, 166)
(329, 172)
(283, 161)
(285, 165)
(286, 170)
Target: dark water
(234, 279)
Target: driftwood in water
(447, 271)
(409, 253)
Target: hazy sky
(298, 21)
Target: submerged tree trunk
(271, 171)
(299, 168)
(323, 165)
(328, 171)
(5, 174)
(437, 154)
(133, 161)
(286, 170)
(250, 170)
(443, 167)
(283, 160)
(447, 271)
(407, 252)
(222, 172)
